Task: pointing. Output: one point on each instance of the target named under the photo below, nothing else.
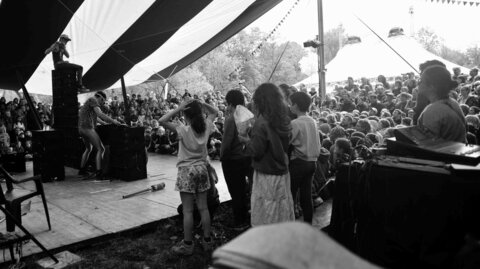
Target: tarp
(140, 40)
(372, 58)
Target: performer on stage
(87, 120)
(58, 50)
(443, 116)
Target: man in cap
(58, 50)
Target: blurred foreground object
(286, 245)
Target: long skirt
(271, 200)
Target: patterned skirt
(271, 200)
(192, 179)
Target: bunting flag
(139, 40)
(471, 2)
(257, 49)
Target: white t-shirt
(445, 119)
(192, 149)
(305, 139)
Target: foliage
(288, 69)
(217, 69)
(190, 78)
(473, 54)
(429, 39)
(433, 43)
(257, 68)
(454, 56)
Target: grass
(151, 248)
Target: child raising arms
(192, 178)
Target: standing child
(306, 149)
(236, 166)
(271, 200)
(192, 177)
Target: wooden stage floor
(83, 210)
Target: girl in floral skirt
(192, 178)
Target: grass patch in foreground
(151, 248)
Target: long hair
(440, 78)
(270, 103)
(194, 114)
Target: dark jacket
(268, 147)
(232, 148)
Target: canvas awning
(139, 39)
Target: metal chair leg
(27, 233)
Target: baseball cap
(64, 36)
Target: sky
(451, 22)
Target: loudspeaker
(128, 165)
(48, 156)
(65, 100)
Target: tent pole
(126, 104)
(36, 117)
(320, 52)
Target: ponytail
(195, 114)
(198, 124)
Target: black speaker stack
(65, 115)
(128, 157)
(48, 155)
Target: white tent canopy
(139, 40)
(370, 59)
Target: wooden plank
(82, 209)
(66, 229)
(115, 215)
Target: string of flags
(471, 2)
(266, 38)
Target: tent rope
(385, 42)
(266, 38)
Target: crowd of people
(16, 125)
(145, 111)
(295, 144)
(298, 140)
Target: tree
(454, 56)
(430, 41)
(288, 69)
(473, 54)
(217, 66)
(192, 79)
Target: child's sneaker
(207, 246)
(183, 249)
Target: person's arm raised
(211, 111)
(165, 119)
